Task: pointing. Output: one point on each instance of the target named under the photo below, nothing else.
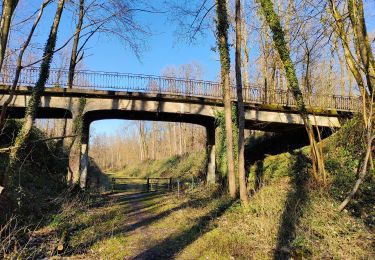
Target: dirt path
(124, 220)
(150, 225)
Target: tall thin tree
(222, 41)
(241, 111)
(9, 6)
(362, 66)
(278, 36)
(34, 101)
(19, 66)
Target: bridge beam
(211, 156)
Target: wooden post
(148, 184)
(170, 184)
(113, 184)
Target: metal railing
(141, 184)
(97, 80)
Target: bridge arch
(103, 114)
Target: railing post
(170, 184)
(148, 184)
(184, 87)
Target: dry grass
(320, 231)
(185, 167)
(199, 225)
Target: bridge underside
(100, 105)
(64, 103)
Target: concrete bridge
(143, 97)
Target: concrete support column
(74, 160)
(84, 158)
(211, 156)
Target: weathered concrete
(64, 103)
(210, 153)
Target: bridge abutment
(211, 155)
(84, 155)
(74, 162)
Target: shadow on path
(145, 218)
(169, 247)
(295, 205)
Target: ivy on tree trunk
(278, 37)
(222, 40)
(34, 101)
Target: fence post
(170, 184)
(148, 184)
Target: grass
(203, 225)
(287, 218)
(321, 232)
(183, 167)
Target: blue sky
(164, 49)
(110, 54)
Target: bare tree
(74, 54)
(19, 65)
(37, 91)
(222, 41)
(278, 36)
(6, 17)
(241, 111)
(362, 66)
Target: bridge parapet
(127, 82)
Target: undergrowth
(182, 167)
(41, 174)
(288, 216)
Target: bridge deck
(93, 80)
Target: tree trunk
(19, 66)
(362, 42)
(241, 113)
(74, 58)
(245, 61)
(363, 168)
(74, 55)
(279, 39)
(362, 63)
(34, 101)
(222, 39)
(349, 57)
(6, 17)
